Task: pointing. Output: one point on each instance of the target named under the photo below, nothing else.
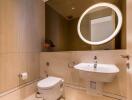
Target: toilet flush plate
(94, 88)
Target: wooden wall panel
(21, 30)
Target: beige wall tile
(59, 67)
(13, 64)
(75, 94)
(129, 48)
(21, 29)
(20, 94)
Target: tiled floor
(32, 97)
(75, 94)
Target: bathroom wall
(129, 48)
(59, 62)
(21, 30)
(59, 67)
(109, 57)
(124, 27)
(21, 93)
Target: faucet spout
(95, 62)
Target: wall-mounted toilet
(51, 88)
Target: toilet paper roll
(24, 76)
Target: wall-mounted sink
(103, 72)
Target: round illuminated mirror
(100, 23)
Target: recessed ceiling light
(45, 0)
(73, 8)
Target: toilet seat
(49, 82)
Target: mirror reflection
(98, 24)
(61, 25)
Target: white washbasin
(103, 72)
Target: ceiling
(74, 7)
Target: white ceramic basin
(103, 72)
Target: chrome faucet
(95, 62)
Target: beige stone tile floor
(75, 94)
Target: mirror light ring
(119, 15)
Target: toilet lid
(49, 82)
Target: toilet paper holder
(23, 75)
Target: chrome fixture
(73, 63)
(127, 57)
(95, 61)
(45, 0)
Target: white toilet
(50, 88)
